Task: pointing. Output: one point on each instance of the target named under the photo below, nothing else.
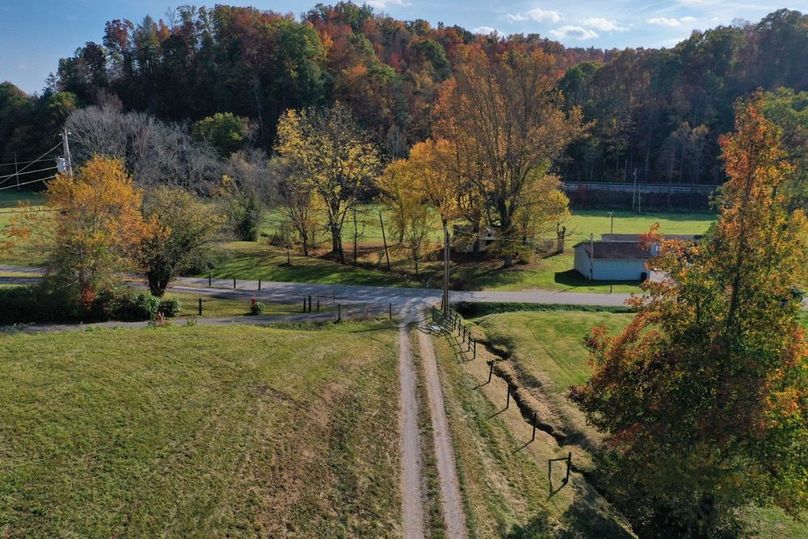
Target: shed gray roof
(616, 250)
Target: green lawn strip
(503, 478)
(216, 307)
(256, 260)
(199, 431)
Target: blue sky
(34, 34)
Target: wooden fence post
(210, 278)
(390, 310)
(234, 282)
(491, 371)
(339, 312)
(508, 398)
(200, 306)
(259, 284)
(569, 465)
(532, 438)
(318, 304)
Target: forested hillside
(656, 111)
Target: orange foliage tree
(504, 116)
(705, 393)
(93, 230)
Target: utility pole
(355, 234)
(384, 239)
(634, 193)
(66, 148)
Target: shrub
(142, 306)
(256, 307)
(170, 307)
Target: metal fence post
(390, 310)
(259, 284)
(318, 305)
(234, 282)
(339, 312)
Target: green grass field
(253, 260)
(548, 351)
(200, 431)
(247, 260)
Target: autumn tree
(409, 207)
(504, 115)
(183, 225)
(429, 178)
(93, 231)
(333, 156)
(544, 207)
(298, 202)
(705, 394)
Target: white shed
(612, 260)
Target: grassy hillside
(503, 475)
(549, 356)
(200, 431)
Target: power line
(27, 183)
(4, 178)
(19, 163)
(40, 157)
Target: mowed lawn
(548, 347)
(249, 260)
(200, 431)
(10, 202)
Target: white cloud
(485, 30)
(384, 4)
(573, 32)
(604, 25)
(537, 14)
(670, 22)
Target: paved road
(381, 296)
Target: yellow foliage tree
(428, 178)
(333, 157)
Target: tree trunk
(336, 244)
